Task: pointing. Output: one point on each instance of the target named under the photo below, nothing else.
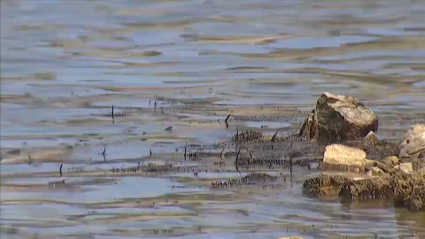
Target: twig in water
(185, 151)
(112, 115)
(29, 160)
(274, 136)
(104, 153)
(221, 153)
(237, 135)
(154, 106)
(226, 121)
(150, 153)
(236, 161)
(60, 170)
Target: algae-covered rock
(248, 136)
(403, 189)
(324, 185)
(409, 190)
(374, 187)
(338, 118)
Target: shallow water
(65, 63)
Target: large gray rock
(338, 118)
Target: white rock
(344, 155)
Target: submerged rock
(338, 118)
(258, 179)
(402, 189)
(248, 136)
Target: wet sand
(173, 75)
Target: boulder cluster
(357, 165)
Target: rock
(409, 191)
(391, 160)
(404, 190)
(375, 171)
(248, 136)
(330, 184)
(385, 167)
(371, 139)
(343, 156)
(412, 148)
(374, 147)
(367, 188)
(338, 118)
(413, 144)
(405, 168)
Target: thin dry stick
(221, 153)
(60, 170)
(226, 121)
(112, 113)
(104, 153)
(236, 161)
(185, 151)
(274, 136)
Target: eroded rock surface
(338, 154)
(338, 118)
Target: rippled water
(65, 63)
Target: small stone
(371, 138)
(375, 171)
(344, 155)
(406, 168)
(391, 160)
